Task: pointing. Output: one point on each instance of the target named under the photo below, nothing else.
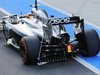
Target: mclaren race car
(42, 39)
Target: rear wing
(78, 24)
(66, 20)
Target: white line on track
(93, 25)
(86, 64)
(83, 62)
(7, 13)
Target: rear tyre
(90, 43)
(29, 49)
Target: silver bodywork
(33, 26)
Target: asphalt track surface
(87, 9)
(90, 9)
(1, 15)
(11, 64)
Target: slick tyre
(90, 43)
(29, 49)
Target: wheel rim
(23, 55)
(23, 51)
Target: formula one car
(42, 39)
